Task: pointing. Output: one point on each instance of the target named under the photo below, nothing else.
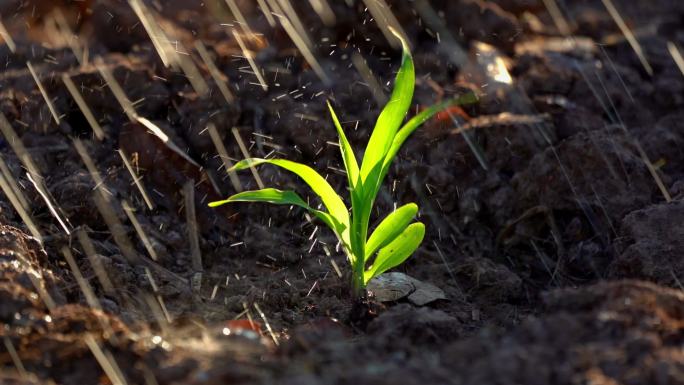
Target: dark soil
(555, 208)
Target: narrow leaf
(316, 182)
(357, 239)
(348, 156)
(269, 195)
(279, 197)
(412, 125)
(390, 227)
(392, 115)
(397, 251)
(332, 202)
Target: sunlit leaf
(355, 187)
(413, 124)
(390, 227)
(316, 182)
(421, 118)
(397, 251)
(269, 195)
(279, 197)
(350, 163)
(332, 202)
(392, 115)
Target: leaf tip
(402, 39)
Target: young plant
(395, 238)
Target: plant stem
(358, 288)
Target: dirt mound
(650, 246)
(610, 333)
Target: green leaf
(397, 251)
(279, 197)
(332, 202)
(316, 182)
(391, 116)
(390, 227)
(269, 195)
(357, 239)
(348, 156)
(416, 122)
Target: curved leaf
(416, 122)
(350, 163)
(279, 197)
(268, 195)
(316, 182)
(397, 251)
(356, 240)
(332, 202)
(390, 227)
(392, 115)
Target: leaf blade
(332, 202)
(313, 179)
(392, 114)
(350, 163)
(268, 195)
(390, 227)
(397, 251)
(356, 187)
(279, 197)
(413, 124)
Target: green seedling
(395, 238)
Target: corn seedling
(395, 238)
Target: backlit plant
(395, 238)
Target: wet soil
(554, 204)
